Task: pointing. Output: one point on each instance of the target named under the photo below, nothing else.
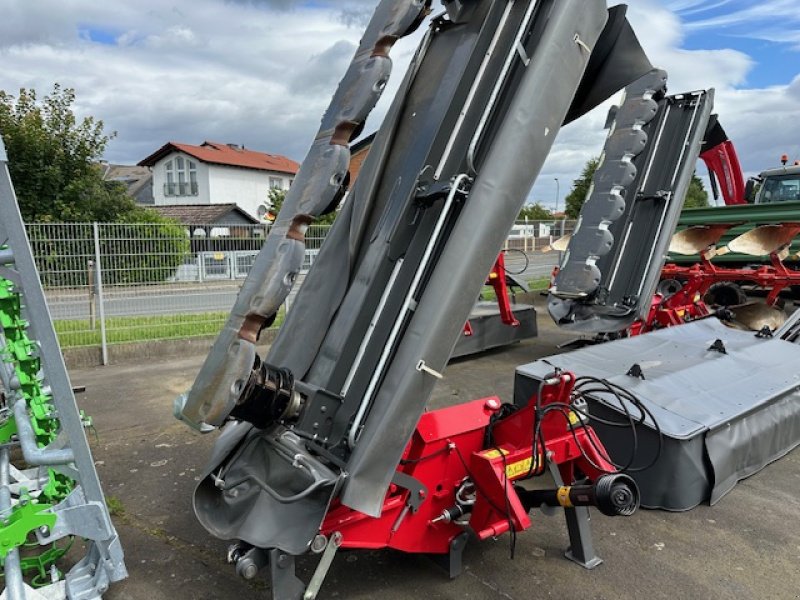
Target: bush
(146, 249)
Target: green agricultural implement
(50, 494)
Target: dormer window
(181, 177)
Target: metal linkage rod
(15, 586)
(455, 190)
(35, 456)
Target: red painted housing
(450, 446)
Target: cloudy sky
(260, 72)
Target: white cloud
(260, 72)
(762, 123)
(766, 11)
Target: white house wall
(160, 178)
(248, 188)
(218, 184)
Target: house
(224, 240)
(137, 180)
(215, 173)
(207, 217)
(358, 154)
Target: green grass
(120, 330)
(115, 506)
(535, 285)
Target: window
(181, 177)
(780, 188)
(276, 183)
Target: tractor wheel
(725, 293)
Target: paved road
(147, 300)
(745, 547)
(172, 299)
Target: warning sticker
(522, 467)
(493, 453)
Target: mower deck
(738, 410)
(487, 329)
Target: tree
(53, 160)
(696, 196)
(535, 212)
(276, 198)
(580, 188)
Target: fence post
(98, 280)
(92, 307)
(525, 237)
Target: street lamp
(558, 194)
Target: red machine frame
(497, 279)
(480, 442)
(687, 304)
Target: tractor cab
(779, 185)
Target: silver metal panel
(739, 408)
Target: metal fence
(117, 283)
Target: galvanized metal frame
(83, 512)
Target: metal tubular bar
(381, 305)
(473, 91)
(501, 80)
(35, 456)
(101, 307)
(15, 586)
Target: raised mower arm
(613, 262)
(315, 451)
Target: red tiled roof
(224, 154)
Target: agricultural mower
(325, 442)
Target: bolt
(249, 571)
(319, 543)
